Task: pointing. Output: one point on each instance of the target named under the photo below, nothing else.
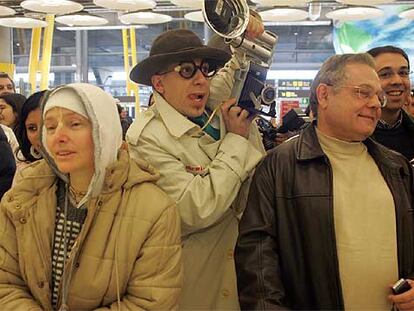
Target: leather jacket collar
(308, 148)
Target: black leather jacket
(286, 255)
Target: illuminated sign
(293, 88)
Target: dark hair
(313, 104)
(16, 101)
(151, 100)
(374, 52)
(32, 103)
(6, 76)
(119, 107)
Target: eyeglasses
(187, 70)
(366, 93)
(403, 73)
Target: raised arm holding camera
(205, 165)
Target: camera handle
(262, 48)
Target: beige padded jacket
(129, 244)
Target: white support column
(6, 51)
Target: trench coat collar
(176, 123)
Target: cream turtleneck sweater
(365, 225)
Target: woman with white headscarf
(86, 227)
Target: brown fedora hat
(171, 47)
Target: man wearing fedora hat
(205, 165)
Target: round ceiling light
(195, 4)
(126, 5)
(296, 3)
(21, 22)
(409, 14)
(196, 16)
(56, 7)
(81, 20)
(5, 11)
(365, 2)
(145, 18)
(355, 13)
(283, 15)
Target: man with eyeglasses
(395, 129)
(329, 223)
(205, 148)
(6, 84)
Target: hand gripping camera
(229, 19)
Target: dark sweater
(400, 139)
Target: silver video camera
(229, 19)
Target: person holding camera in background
(205, 165)
(329, 223)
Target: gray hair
(333, 73)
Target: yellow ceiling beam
(37, 64)
(130, 60)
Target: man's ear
(157, 84)
(322, 94)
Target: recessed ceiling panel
(5, 11)
(145, 18)
(295, 3)
(81, 20)
(126, 5)
(365, 2)
(21, 22)
(196, 4)
(196, 16)
(283, 15)
(355, 13)
(52, 6)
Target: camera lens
(268, 94)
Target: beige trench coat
(209, 181)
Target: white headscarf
(65, 98)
